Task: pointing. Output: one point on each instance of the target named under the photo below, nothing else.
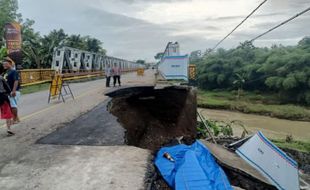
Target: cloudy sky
(138, 29)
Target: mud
(153, 117)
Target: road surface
(25, 164)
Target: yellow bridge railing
(39, 76)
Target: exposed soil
(155, 117)
(302, 158)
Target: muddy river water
(271, 127)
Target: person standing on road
(108, 74)
(12, 78)
(117, 75)
(5, 107)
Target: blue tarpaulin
(194, 168)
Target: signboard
(192, 72)
(174, 67)
(273, 163)
(192, 75)
(13, 38)
(59, 88)
(56, 86)
(140, 72)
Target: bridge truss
(71, 60)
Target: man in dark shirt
(12, 78)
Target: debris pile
(153, 118)
(191, 167)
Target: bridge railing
(33, 76)
(37, 76)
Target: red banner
(13, 40)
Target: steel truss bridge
(71, 60)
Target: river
(271, 127)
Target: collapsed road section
(144, 117)
(153, 117)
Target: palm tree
(239, 82)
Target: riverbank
(301, 146)
(273, 128)
(267, 104)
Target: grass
(302, 146)
(35, 88)
(262, 104)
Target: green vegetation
(3, 53)
(250, 102)
(295, 145)
(218, 128)
(225, 129)
(38, 50)
(284, 71)
(35, 88)
(8, 13)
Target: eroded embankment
(154, 117)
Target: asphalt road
(98, 127)
(25, 164)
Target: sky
(138, 29)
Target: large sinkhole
(155, 117)
(139, 116)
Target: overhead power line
(281, 24)
(239, 24)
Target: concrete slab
(233, 161)
(76, 167)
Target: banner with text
(13, 40)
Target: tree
(8, 13)
(305, 42)
(33, 52)
(94, 45)
(195, 56)
(31, 46)
(140, 61)
(54, 39)
(3, 53)
(239, 82)
(84, 43)
(75, 41)
(38, 50)
(158, 56)
(279, 69)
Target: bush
(283, 70)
